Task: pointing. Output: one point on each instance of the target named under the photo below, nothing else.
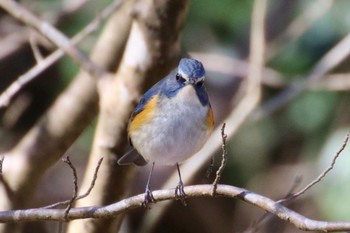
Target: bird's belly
(174, 134)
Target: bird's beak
(191, 81)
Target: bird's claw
(148, 197)
(180, 193)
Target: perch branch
(115, 209)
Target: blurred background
(279, 142)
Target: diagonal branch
(68, 116)
(92, 184)
(48, 61)
(75, 190)
(292, 196)
(55, 36)
(329, 61)
(321, 176)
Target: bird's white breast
(177, 131)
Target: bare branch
(75, 182)
(266, 217)
(223, 160)
(55, 36)
(331, 82)
(63, 122)
(115, 209)
(1, 163)
(80, 196)
(291, 195)
(32, 73)
(309, 15)
(330, 60)
(231, 66)
(35, 48)
(322, 175)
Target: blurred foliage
(312, 112)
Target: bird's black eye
(180, 78)
(200, 83)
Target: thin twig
(75, 182)
(329, 61)
(92, 181)
(307, 18)
(82, 195)
(291, 196)
(32, 73)
(1, 163)
(322, 175)
(296, 184)
(223, 160)
(35, 48)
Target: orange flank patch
(210, 119)
(145, 115)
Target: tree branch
(223, 160)
(75, 190)
(55, 36)
(292, 196)
(93, 181)
(329, 61)
(48, 61)
(115, 209)
(322, 175)
(68, 116)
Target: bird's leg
(179, 190)
(148, 192)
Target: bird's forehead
(191, 68)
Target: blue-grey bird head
(191, 70)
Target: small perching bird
(172, 121)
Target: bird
(171, 122)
